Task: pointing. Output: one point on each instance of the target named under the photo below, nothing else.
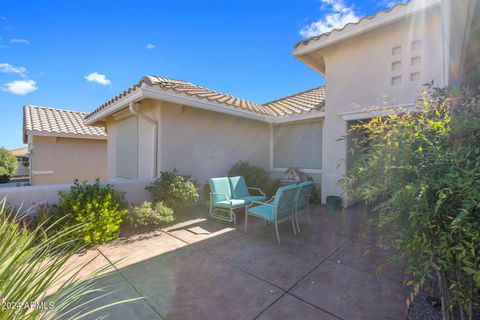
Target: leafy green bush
(36, 269)
(8, 165)
(99, 209)
(4, 178)
(272, 187)
(421, 170)
(146, 215)
(174, 190)
(254, 176)
(316, 192)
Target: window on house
(416, 61)
(396, 50)
(415, 76)
(396, 80)
(298, 145)
(397, 65)
(416, 45)
(127, 148)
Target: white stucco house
(163, 124)
(61, 147)
(384, 60)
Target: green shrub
(39, 269)
(174, 190)
(146, 215)
(8, 165)
(4, 178)
(254, 176)
(272, 187)
(99, 209)
(421, 171)
(316, 192)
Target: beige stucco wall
(201, 143)
(359, 74)
(61, 160)
(206, 144)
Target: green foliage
(174, 190)
(4, 178)
(99, 209)
(147, 214)
(421, 171)
(254, 176)
(316, 192)
(33, 266)
(8, 165)
(272, 187)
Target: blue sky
(78, 54)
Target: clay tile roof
(352, 24)
(20, 152)
(191, 90)
(38, 119)
(313, 99)
(306, 101)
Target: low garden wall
(29, 196)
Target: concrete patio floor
(206, 269)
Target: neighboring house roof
(306, 101)
(38, 120)
(296, 104)
(380, 18)
(20, 152)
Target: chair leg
(266, 223)
(276, 230)
(293, 225)
(232, 216)
(296, 220)
(246, 219)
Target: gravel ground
(422, 309)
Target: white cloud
(390, 4)
(8, 68)
(98, 78)
(338, 15)
(150, 46)
(20, 87)
(20, 41)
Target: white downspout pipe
(135, 111)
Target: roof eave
(364, 25)
(63, 135)
(152, 92)
(299, 117)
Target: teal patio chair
(240, 191)
(278, 209)
(229, 194)
(302, 201)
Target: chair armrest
(258, 189)
(262, 203)
(219, 194)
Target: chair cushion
(226, 204)
(239, 187)
(281, 190)
(220, 185)
(250, 199)
(263, 211)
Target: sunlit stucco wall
(363, 71)
(206, 144)
(202, 143)
(61, 160)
